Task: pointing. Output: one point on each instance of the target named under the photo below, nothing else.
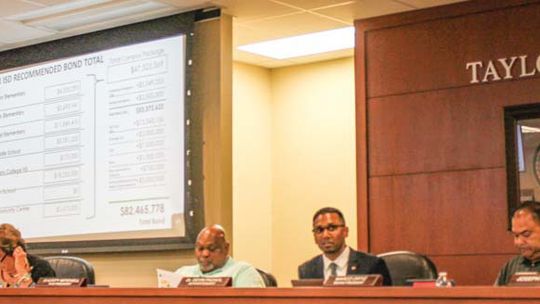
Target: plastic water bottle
(442, 280)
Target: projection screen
(93, 141)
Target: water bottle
(442, 280)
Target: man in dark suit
(330, 231)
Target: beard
(206, 266)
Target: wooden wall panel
(435, 142)
(471, 270)
(432, 132)
(361, 149)
(445, 213)
(443, 130)
(433, 55)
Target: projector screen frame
(193, 180)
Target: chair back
(72, 267)
(405, 265)
(268, 278)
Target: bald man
(213, 260)
(526, 232)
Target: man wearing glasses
(338, 259)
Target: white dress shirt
(341, 261)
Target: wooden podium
(309, 295)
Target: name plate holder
(525, 279)
(61, 282)
(205, 282)
(367, 280)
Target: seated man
(526, 231)
(330, 231)
(212, 252)
(18, 268)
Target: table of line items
(95, 142)
(137, 142)
(62, 149)
(40, 143)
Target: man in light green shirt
(212, 252)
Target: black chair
(72, 267)
(269, 279)
(406, 265)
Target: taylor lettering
(503, 68)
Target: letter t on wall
(474, 71)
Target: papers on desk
(167, 279)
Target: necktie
(333, 269)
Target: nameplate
(61, 282)
(525, 279)
(367, 280)
(205, 282)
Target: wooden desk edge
(476, 292)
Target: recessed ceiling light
(526, 129)
(303, 45)
(99, 11)
(55, 9)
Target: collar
(528, 263)
(341, 260)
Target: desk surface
(314, 295)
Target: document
(167, 279)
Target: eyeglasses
(330, 228)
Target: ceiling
(24, 22)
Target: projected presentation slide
(94, 143)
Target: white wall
(252, 167)
(310, 130)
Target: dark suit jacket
(359, 263)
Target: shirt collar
(341, 260)
(528, 262)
